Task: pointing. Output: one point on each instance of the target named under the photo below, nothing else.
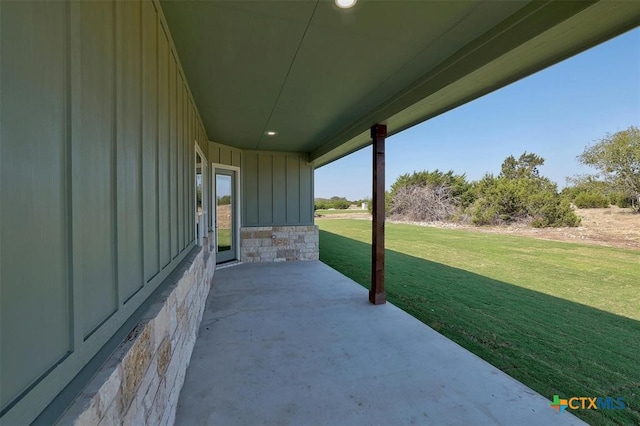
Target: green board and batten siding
(97, 177)
(277, 187)
(222, 154)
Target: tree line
(520, 193)
(338, 203)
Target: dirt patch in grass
(612, 227)
(224, 216)
(351, 215)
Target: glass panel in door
(225, 216)
(200, 222)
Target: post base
(378, 298)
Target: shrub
(338, 203)
(591, 200)
(549, 210)
(484, 212)
(520, 194)
(320, 205)
(502, 200)
(621, 200)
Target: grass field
(562, 318)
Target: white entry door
(226, 204)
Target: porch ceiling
(320, 76)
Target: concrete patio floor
(299, 344)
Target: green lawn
(562, 318)
(224, 239)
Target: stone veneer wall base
(279, 243)
(141, 381)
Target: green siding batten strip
(173, 162)
(129, 150)
(188, 160)
(265, 188)
(279, 189)
(164, 149)
(150, 134)
(179, 162)
(306, 191)
(293, 190)
(250, 190)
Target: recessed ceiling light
(271, 133)
(345, 4)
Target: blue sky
(554, 113)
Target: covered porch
(298, 343)
(118, 122)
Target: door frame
(205, 197)
(237, 206)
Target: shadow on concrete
(550, 344)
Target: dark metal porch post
(377, 295)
